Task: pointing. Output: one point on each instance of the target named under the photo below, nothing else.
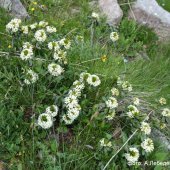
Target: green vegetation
(137, 57)
(165, 4)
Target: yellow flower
(9, 46)
(35, 3)
(32, 9)
(104, 58)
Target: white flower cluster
(66, 43)
(31, 77)
(114, 36)
(136, 101)
(95, 16)
(27, 45)
(55, 69)
(111, 115)
(54, 45)
(162, 101)
(126, 86)
(91, 79)
(40, 35)
(115, 91)
(166, 112)
(72, 100)
(45, 120)
(132, 111)
(145, 127)
(59, 48)
(104, 143)
(111, 103)
(33, 26)
(51, 29)
(147, 145)
(14, 25)
(24, 29)
(27, 52)
(133, 155)
(42, 24)
(60, 55)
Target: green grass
(165, 4)
(150, 77)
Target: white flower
(31, 77)
(33, 26)
(78, 85)
(93, 80)
(111, 115)
(61, 56)
(50, 29)
(52, 110)
(133, 155)
(45, 121)
(13, 25)
(24, 29)
(27, 45)
(95, 15)
(162, 101)
(104, 143)
(53, 45)
(132, 111)
(136, 101)
(114, 36)
(55, 69)
(115, 92)
(84, 76)
(166, 112)
(126, 86)
(71, 101)
(75, 92)
(73, 113)
(111, 103)
(67, 120)
(65, 42)
(40, 35)
(26, 54)
(147, 145)
(145, 127)
(43, 24)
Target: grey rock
(111, 10)
(157, 135)
(15, 7)
(149, 13)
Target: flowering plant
(54, 97)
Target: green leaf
(54, 146)
(161, 156)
